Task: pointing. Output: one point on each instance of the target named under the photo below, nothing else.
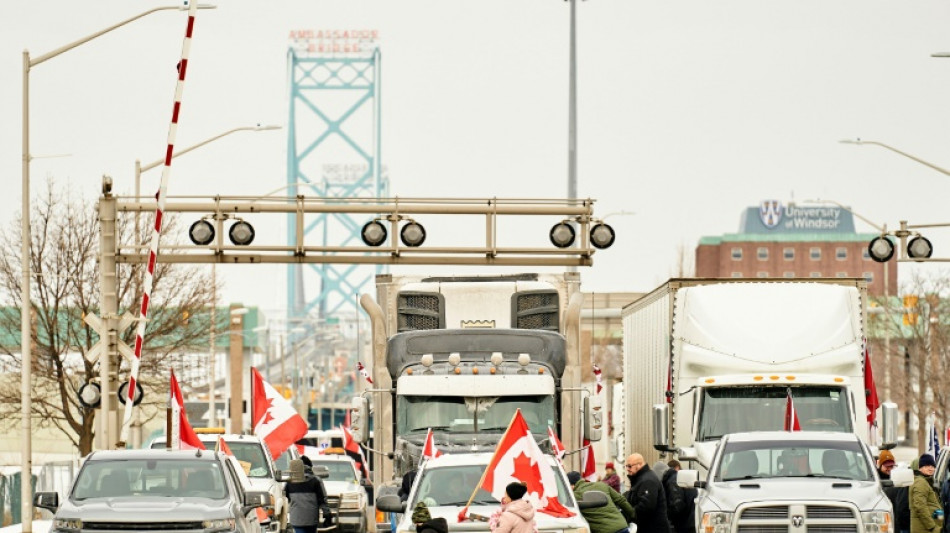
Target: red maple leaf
(529, 473)
(267, 416)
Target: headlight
(220, 524)
(67, 523)
(350, 500)
(716, 522)
(877, 522)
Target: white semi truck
(460, 354)
(708, 357)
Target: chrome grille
(765, 513)
(762, 529)
(419, 311)
(828, 512)
(843, 528)
(333, 501)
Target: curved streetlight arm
(895, 150)
(74, 44)
(258, 127)
(882, 229)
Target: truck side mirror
(687, 478)
(593, 418)
(390, 503)
(888, 425)
(358, 419)
(661, 427)
(902, 477)
(46, 500)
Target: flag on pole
(224, 448)
(557, 448)
(183, 436)
(588, 464)
(791, 416)
(273, 418)
(429, 451)
(933, 440)
(871, 399)
(518, 458)
(364, 372)
(598, 376)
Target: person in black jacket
(897, 495)
(307, 497)
(680, 502)
(646, 496)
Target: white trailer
(709, 357)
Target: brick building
(776, 241)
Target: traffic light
(910, 310)
(358, 419)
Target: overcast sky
(689, 111)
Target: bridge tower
(333, 151)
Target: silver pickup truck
(156, 490)
(793, 481)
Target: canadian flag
(354, 451)
(429, 451)
(588, 464)
(364, 372)
(183, 436)
(791, 415)
(518, 458)
(598, 375)
(556, 447)
(871, 399)
(226, 450)
(273, 418)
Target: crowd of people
(918, 508)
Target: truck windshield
(453, 485)
(768, 459)
(726, 410)
(151, 477)
(454, 414)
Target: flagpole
(471, 498)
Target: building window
(814, 253)
(866, 255)
(814, 275)
(788, 274)
(841, 253)
(737, 255)
(737, 274)
(788, 254)
(841, 274)
(761, 274)
(762, 253)
(869, 277)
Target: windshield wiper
(743, 477)
(433, 428)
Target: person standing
(924, 504)
(611, 518)
(680, 502)
(518, 514)
(897, 495)
(646, 496)
(307, 497)
(610, 477)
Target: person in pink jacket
(518, 514)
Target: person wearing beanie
(307, 498)
(611, 518)
(924, 503)
(424, 521)
(517, 514)
(610, 477)
(897, 495)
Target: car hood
(144, 509)
(335, 488)
(451, 513)
(725, 496)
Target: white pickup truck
(793, 481)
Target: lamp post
(236, 327)
(25, 304)
(895, 150)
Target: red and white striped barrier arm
(157, 228)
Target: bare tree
(684, 267)
(920, 355)
(65, 288)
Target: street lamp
(895, 150)
(25, 305)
